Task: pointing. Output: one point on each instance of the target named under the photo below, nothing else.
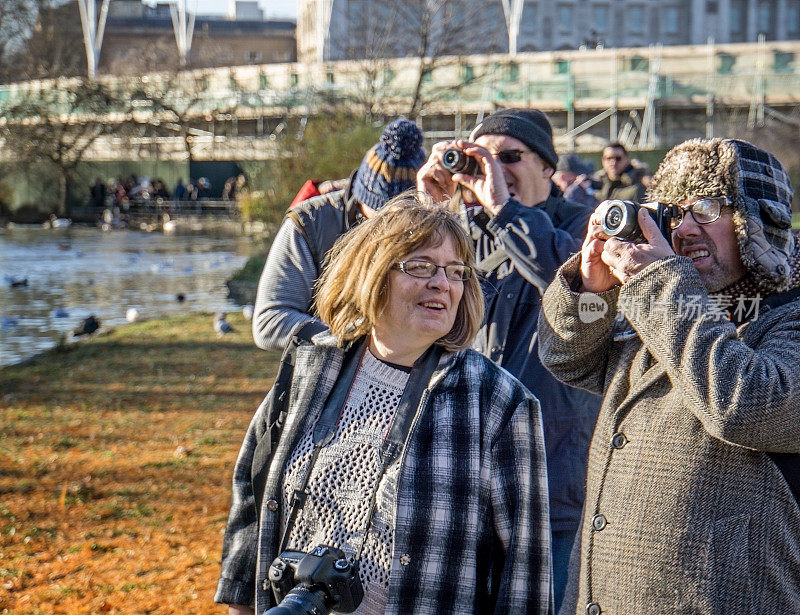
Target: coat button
(593, 609)
(599, 522)
(618, 440)
(510, 296)
(272, 505)
(405, 559)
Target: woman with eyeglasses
(417, 457)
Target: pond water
(76, 272)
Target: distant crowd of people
(133, 190)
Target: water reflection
(72, 273)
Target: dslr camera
(456, 161)
(314, 583)
(618, 219)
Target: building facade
(330, 30)
(140, 38)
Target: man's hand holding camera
(607, 261)
(488, 185)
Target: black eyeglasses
(704, 211)
(510, 156)
(425, 269)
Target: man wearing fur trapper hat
(693, 486)
(286, 288)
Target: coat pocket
(729, 566)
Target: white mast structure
(324, 11)
(93, 31)
(183, 26)
(513, 13)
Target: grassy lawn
(115, 464)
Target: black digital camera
(314, 583)
(618, 219)
(456, 161)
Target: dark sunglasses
(510, 156)
(615, 158)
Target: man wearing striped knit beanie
(295, 261)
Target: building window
(512, 72)
(640, 64)
(427, 75)
(253, 57)
(294, 79)
(566, 20)
(528, 26)
(783, 62)
(329, 78)
(600, 17)
(766, 18)
(263, 84)
(793, 18)
(672, 20)
(738, 19)
(562, 67)
(467, 73)
(636, 20)
(726, 62)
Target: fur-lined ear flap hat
(757, 186)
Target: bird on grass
(8, 322)
(247, 312)
(15, 282)
(132, 314)
(222, 326)
(88, 325)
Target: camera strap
(392, 447)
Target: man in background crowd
(619, 178)
(572, 176)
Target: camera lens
(619, 220)
(301, 601)
(614, 218)
(456, 161)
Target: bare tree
(174, 103)
(424, 31)
(47, 40)
(17, 20)
(57, 123)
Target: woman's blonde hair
(353, 290)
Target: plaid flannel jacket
(471, 528)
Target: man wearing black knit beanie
(524, 230)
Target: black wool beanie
(528, 125)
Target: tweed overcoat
(685, 510)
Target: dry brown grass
(115, 465)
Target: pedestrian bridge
(646, 97)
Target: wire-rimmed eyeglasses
(426, 269)
(703, 211)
